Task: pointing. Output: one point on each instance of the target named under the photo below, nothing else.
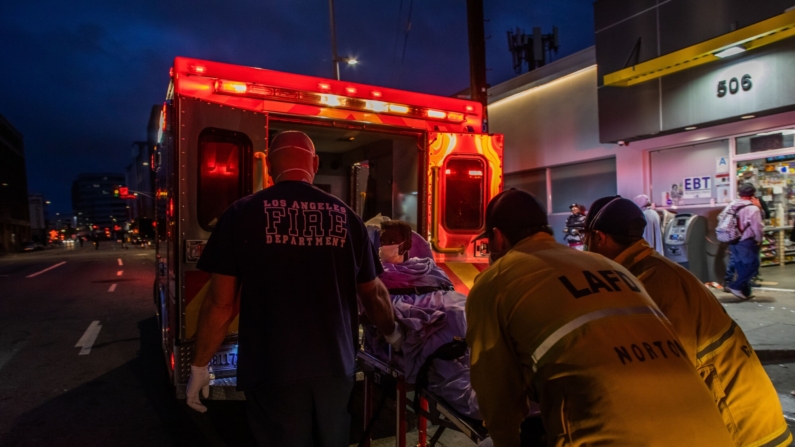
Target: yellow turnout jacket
(577, 333)
(716, 346)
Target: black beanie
(617, 216)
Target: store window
(582, 183)
(691, 175)
(766, 141)
(774, 178)
(464, 186)
(220, 173)
(533, 181)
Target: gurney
(428, 407)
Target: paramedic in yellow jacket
(576, 333)
(712, 340)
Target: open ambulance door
(464, 174)
(219, 160)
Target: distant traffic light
(124, 191)
(116, 191)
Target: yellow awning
(753, 36)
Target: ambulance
(419, 158)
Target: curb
(775, 355)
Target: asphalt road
(112, 391)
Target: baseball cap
(514, 208)
(616, 215)
(746, 190)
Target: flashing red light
(172, 361)
(455, 116)
(324, 86)
(448, 172)
(470, 108)
(171, 207)
(239, 88)
(350, 90)
(430, 113)
(198, 69)
(124, 191)
(377, 94)
(95, 227)
(163, 118)
(171, 72)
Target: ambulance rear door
(465, 171)
(220, 161)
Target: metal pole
(477, 56)
(335, 59)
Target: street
(114, 389)
(82, 365)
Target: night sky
(78, 78)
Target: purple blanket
(430, 320)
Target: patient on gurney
(429, 310)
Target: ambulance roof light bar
(330, 100)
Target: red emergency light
(338, 101)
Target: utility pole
(477, 57)
(334, 60)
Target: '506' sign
(733, 85)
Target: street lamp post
(334, 58)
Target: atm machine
(685, 243)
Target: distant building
(94, 203)
(38, 217)
(14, 212)
(139, 175)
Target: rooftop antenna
(535, 50)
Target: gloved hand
(199, 380)
(486, 443)
(396, 338)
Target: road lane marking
(120, 263)
(47, 269)
(119, 272)
(772, 289)
(88, 338)
(112, 288)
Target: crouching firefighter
(713, 342)
(576, 333)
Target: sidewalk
(768, 321)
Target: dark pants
(745, 258)
(307, 414)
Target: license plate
(225, 359)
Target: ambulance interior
(373, 172)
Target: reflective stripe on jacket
(575, 332)
(715, 345)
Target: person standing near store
(576, 333)
(714, 344)
(574, 224)
(292, 259)
(652, 234)
(744, 255)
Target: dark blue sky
(78, 78)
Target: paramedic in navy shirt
(298, 256)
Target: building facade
(94, 203)
(651, 110)
(139, 175)
(14, 212)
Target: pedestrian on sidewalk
(713, 342)
(652, 234)
(744, 254)
(573, 331)
(298, 258)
